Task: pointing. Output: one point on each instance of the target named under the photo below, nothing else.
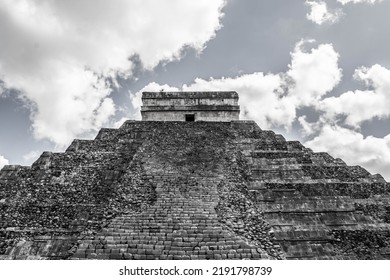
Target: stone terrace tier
(192, 190)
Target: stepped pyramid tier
(198, 185)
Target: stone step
(340, 218)
(302, 235)
(308, 205)
(308, 250)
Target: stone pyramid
(192, 190)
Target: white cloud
(338, 126)
(260, 97)
(320, 14)
(314, 73)
(264, 98)
(359, 106)
(344, 2)
(371, 152)
(136, 101)
(3, 161)
(308, 128)
(59, 54)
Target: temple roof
(189, 94)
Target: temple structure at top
(212, 106)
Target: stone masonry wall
(206, 106)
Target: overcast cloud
(3, 161)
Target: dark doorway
(190, 117)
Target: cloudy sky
(315, 71)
